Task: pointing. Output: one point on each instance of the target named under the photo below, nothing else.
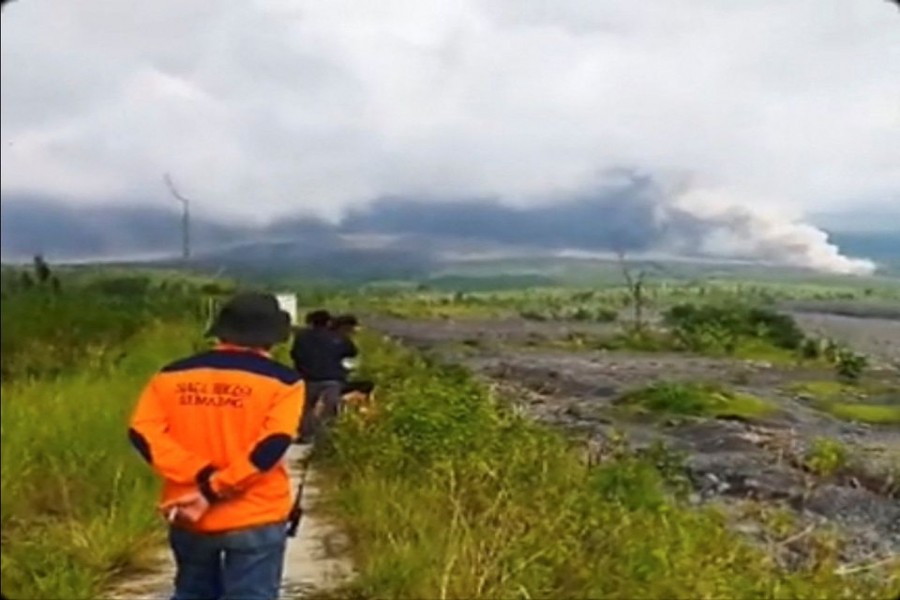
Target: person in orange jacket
(215, 427)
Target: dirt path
(316, 559)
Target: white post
(288, 303)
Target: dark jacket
(318, 354)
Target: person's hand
(189, 507)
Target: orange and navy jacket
(221, 422)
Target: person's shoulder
(307, 335)
(186, 363)
(239, 362)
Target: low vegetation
(872, 402)
(712, 328)
(84, 322)
(696, 399)
(826, 456)
(77, 504)
(447, 494)
(876, 414)
(584, 314)
(539, 298)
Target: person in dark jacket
(345, 326)
(318, 353)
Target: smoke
(631, 213)
(731, 228)
(627, 212)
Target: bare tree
(41, 269)
(634, 279)
(185, 218)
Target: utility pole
(185, 219)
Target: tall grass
(46, 333)
(76, 502)
(446, 494)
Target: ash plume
(730, 229)
(634, 214)
(630, 212)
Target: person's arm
(296, 351)
(348, 348)
(271, 443)
(149, 434)
(300, 354)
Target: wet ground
(728, 460)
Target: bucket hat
(252, 319)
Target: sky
(271, 108)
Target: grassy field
(587, 303)
(446, 493)
(76, 502)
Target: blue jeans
(245, 564)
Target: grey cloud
(34, 225)
(635, 214)
(622, 218)
(284, 109)
(316, 108)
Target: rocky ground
(734, 462)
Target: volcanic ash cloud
(751, 230)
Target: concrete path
(316, 559)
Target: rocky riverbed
(733, 461)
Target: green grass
(834, 389)
(77, 504)
(867, 402)
(876, 414)
(697, 399)
(825, 389)
(412, 299)
(85, 324)
(826, 456)
(447, 494)
(757, 351)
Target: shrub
(826, 456)
(722, 328)
(849, 365)
(582, 313)
(811, 349)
